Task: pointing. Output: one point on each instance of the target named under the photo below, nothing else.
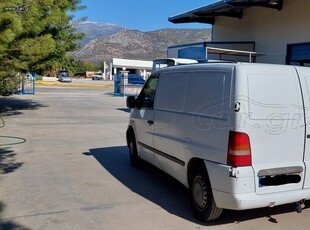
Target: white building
(139, 67)
(277, 28)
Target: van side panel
(304, 73)
(169, 125)
(209, 105)
(191, 115)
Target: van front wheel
(202, 200)
(135, 160)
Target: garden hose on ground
(17, 140)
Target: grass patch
(62, 84)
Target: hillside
(94, 30)
(133, 44)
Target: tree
(36, 34)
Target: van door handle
(150, 122)
(308, 135)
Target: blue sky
(141, 15)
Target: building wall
(202, 53)
(173, 51)
(271, 30)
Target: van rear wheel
(135, 160)
(202, 200)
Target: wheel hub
(200, 192)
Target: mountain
(94, 30)
(134, 44)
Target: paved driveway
(73, 171)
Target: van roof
(201, 66)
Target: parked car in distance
(64, 76)
(98, 76)
(62, 72)
(135, 79)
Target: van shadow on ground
(147, 181)
(126, 110)
(163, 190)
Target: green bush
(38, 77)
(9, 83)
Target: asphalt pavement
(73, 171)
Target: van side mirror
(131, 102)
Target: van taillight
(239, 150)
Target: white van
(235, 134)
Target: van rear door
(272, 115)
(304, 73)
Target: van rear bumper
(235, 189)
(252, 200)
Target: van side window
(147, 96)
(205, 94)
(171, 94)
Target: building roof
(128, 63)
(228, 8)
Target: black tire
(202, 200)
(135, 160)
